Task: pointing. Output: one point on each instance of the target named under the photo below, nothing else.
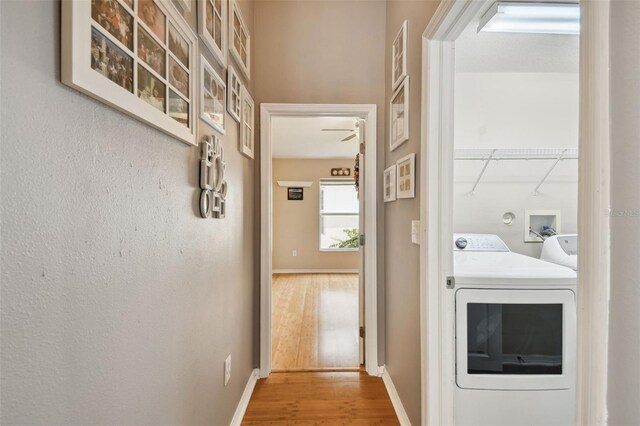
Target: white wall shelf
(294, 183)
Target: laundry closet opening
(317, 223)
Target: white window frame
(332, 182)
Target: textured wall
(119, 304)
(324, 52)
(296, 224)
(624, 322)
(402, 263)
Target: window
(339, 216)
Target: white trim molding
(366, 112)
(403, 418)
(245, 398)
(315, 271)
(593, 215)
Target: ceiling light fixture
(533, 18)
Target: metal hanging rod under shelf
(517, 154)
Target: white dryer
(515, 328)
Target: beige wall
(402, 267)
(296, 224)
(119, 303)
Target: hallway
(303, 398)
(315, 321)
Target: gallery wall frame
(212, 27)
(144, 67)
(399, 116)
(247, 124)
(406, 177)
(239, 39)
(234, 87)
(399, 56)
(213, 97)
(389, 184)
(185, 4)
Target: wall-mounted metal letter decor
(212, 183)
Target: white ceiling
(511, 52)
(302, 137)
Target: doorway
(318, 282)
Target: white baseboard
(245, 398)
(395, 398)
(315, 271)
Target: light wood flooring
(320, 398)
(314, 322)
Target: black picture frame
(295, 194)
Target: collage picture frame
(213, 97)
(406, 177)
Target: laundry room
(516, 136)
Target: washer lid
(508, 268)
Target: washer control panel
(478, 242)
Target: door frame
(436, 256)
(366, 112)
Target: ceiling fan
(348, 138)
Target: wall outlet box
(227, 370)
(415, 231)
(537, 220)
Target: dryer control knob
(461, 243)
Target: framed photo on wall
(389, 184)
(247, 123)
(239, 39)
(234, 86)
(185, 4)
(399, 115)
(213, 97)
(151, 80)
(399, 56)
(212, 27)
(406, 177)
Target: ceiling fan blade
(348, 138)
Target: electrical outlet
(227, 370)
(294, 253)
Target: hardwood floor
(320, 398)
(314, 322)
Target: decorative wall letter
(212, 183)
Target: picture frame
(399, 116)
(212, 27)
(239, 39)
(295, 194)
(185, 4)
(213, 97)
(151, 81)
(406, 177)
(247, 124)
(389, 184)
(234, 93)
(399, 56)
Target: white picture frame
(389, 184)
(247, 124)
(234, 93)
(213, 97)
(153, 80)
(239, 39)
(406, 177)
(399, 56)
(185, 4)
(399, 115)
(212, 27)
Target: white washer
(515, 332)
(561, 250)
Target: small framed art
(406, 177)
(213, 97)
(247, 123)
(399, 115)
(399, 56)
(212, 27)
(234, 85)
(295, 194)
(143, 66)
(239, 39)
(389, 184)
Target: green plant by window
(352, 241)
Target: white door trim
(438, 65)
(367, 112)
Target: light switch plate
(415, 231)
